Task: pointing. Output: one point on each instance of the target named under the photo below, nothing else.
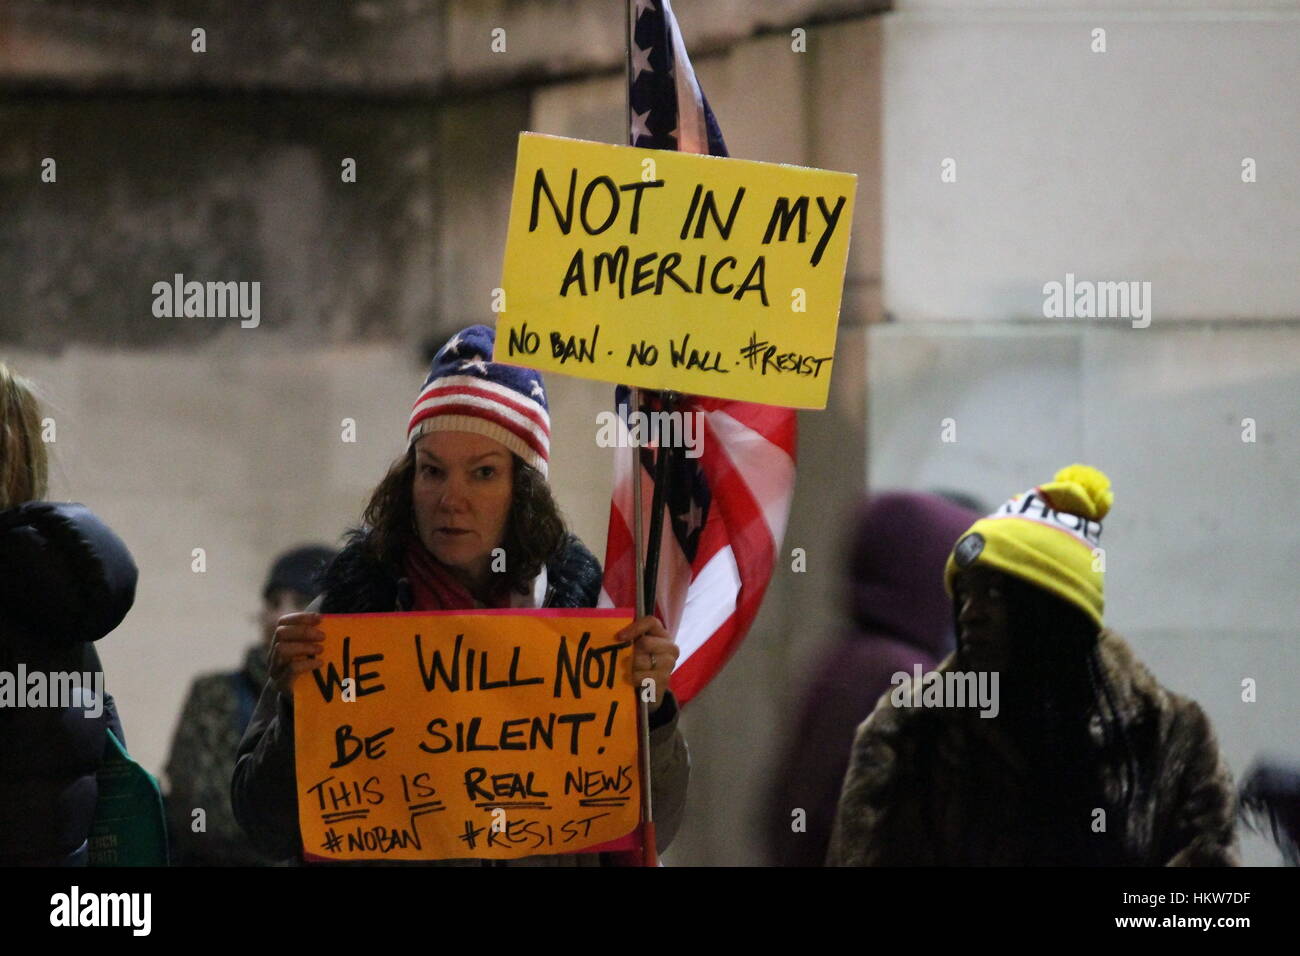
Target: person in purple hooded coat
(899, 616)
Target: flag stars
(693, 517)
(640, 61)
(478, 364)
(639, 127)
(451, 347)
(537, 391)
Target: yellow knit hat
(1049, 536)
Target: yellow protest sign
(486, 734)
(670, 270)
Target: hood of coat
(64, 574)
(900, 544)
(356, 582)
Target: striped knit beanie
(467, 392)
(1049, 536)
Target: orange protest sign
(490, 734)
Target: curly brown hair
(535, 528)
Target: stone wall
(188, 433)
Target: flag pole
(649, 852)
(661, 481)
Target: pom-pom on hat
(466, 391)
(1049, 536)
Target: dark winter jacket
(898, 616)
(944, 786)
(66, 580)
(264, 791)
(201, 763)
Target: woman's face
(980, 596)
(462, 494)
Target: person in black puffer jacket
(66, 580)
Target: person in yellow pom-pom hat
(1042, 740)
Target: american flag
(726, 510)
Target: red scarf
(435, 588)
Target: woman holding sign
(464, 519)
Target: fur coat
(944, 786)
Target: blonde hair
(24, 466)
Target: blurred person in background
(1270, 795)
(216, 713)
(899, 616)
(66, 580)
(1084, 758)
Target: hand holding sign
(295, 649)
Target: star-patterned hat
(467, 392)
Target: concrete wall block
(491, 40)
(215, 191)
(1209, 664)
(553, 38)
(373, 386)
(474, 174)
(844, 101)
(582, 473)
(920, 377)
(1123, 165)
(183, 623)
(1088, 8)
(768, 120)
(1196, 533)
(592, 109)
(360, 45)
